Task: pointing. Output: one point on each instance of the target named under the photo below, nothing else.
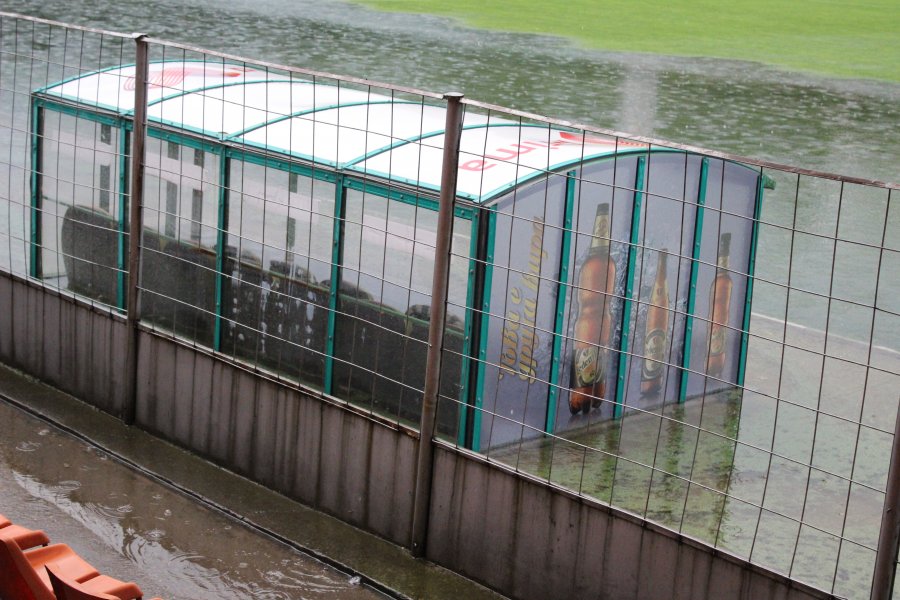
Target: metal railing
(781, 453)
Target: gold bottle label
(588, 367)
(654, 353)
(600, 238)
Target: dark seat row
(31, 568)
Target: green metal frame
(183, 140)
(629, 284)
(559, 320)
(124, 195)
(751, 268)
(221, 241)
(468, 357)
(431, 203)
(692, 289)
(35, 261)
(337, 251)
(491, 213)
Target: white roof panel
(343, 135)
(492, 158)
(114, 88)
(343, 126)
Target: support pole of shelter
(135, 203)
(438, 314)
(889, 539)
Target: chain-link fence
(710, 342)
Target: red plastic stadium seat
(19, 575)
(26, 538)
(92, 589)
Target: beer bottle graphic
(719, 307)
(656, 333)
(593, 323)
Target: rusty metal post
(889, 538)
(135, 203)
(438, 314)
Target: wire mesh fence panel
(709, 342)
(62, 168)
(703, 341)
(269, 238)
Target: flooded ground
(133, 527)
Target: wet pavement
(132, 521)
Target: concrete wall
(501, 528)
(531, 541)
(70, 345)
(323, 453)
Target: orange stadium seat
(23, 575)
(68, 589)
(26, 538)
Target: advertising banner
(662, 280)
(594, 299)
(528, 237)
(721, 279)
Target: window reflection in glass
(278, 262)
(385, 299)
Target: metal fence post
(438, 313)
(889, 538)
(136, 191)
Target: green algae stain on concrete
(842, 39)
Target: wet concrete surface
(141, 509)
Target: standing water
(133, 528)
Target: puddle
(133, 528)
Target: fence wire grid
(709, 342)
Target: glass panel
(80, 206)
(381, 328)
(721, 278)
(662, 280)
(277, 271)
(524, 283)
(178, 265)
(592, 314)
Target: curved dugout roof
(342, 127)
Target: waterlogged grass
(845, 39)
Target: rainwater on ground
(132, 526)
